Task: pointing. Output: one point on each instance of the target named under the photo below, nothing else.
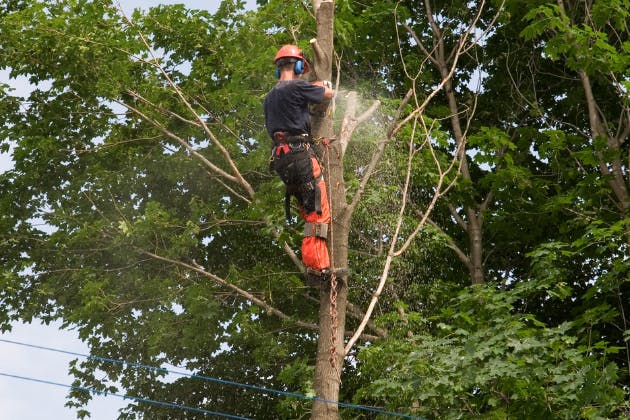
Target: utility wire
(216, 380)
(139, 399)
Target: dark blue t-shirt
(286, 106)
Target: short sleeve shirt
(286, 106)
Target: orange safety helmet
(293, 52)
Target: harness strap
(280, 149)
(314, 185)
(318, 196)
(280, 137)
(287, 206)
(310, 185)
(319, 230)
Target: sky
(21, 397)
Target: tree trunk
(473, 226)
(613, 170)
(475, 235)
(332, 310)
(332, 315)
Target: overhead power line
(139, 399)
(209, 379)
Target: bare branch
(376, 157)
(317, 50)
(244, 294)
(222, 282)
(356, 313)
(181, 141)
(421, 46)
(420, 109)
(350, 122)
(449, 241)
(390, 255)
(231, 190)
(236, 176)
(162, 109)
(439, 191)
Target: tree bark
(474, 216)
(613, 170)
(332, 311)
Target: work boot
(316, 278)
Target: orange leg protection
(315, 249)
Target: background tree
(560, 259)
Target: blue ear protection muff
(298, 67)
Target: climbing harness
(292, 159)
(295, 161)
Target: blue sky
(22, 399)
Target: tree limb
(243, 293)
(356, 313)
(350, 122)
(182, 142)
(376, 157)
(449, 241)
(226, 154)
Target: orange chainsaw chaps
(315, 249)
(315, 253)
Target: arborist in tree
(293, 157)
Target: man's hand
(328, 91)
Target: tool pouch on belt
(293, 162)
